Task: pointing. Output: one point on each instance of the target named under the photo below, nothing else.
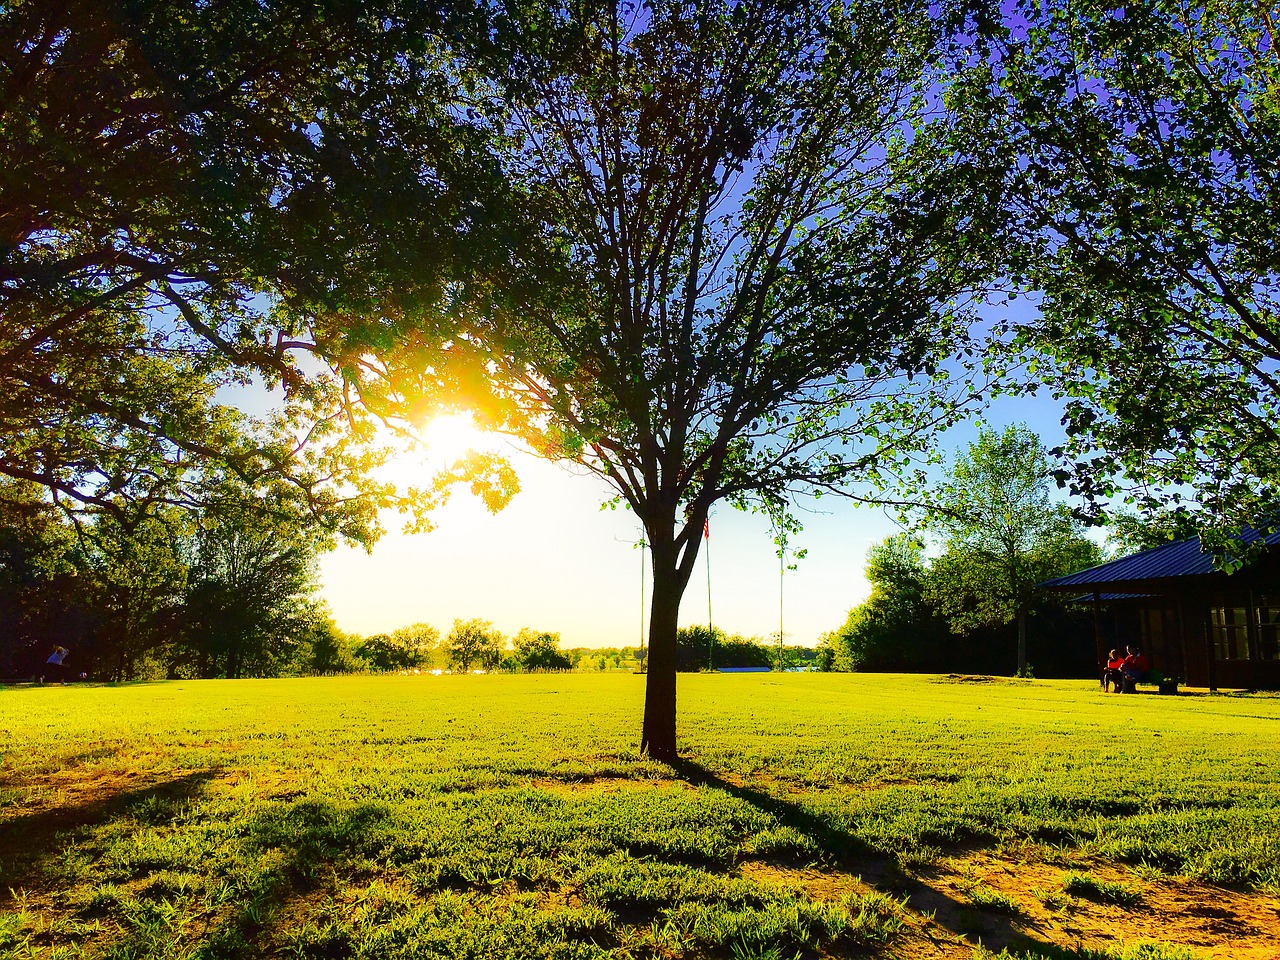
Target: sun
(447, 438)
(435, 447)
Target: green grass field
(815, 815)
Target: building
(1204, 626)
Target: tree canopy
(894, 628)
(173, 174)
(224, 591)
(1147, 138)
(474, 642)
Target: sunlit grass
(512, 816)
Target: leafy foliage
(252, 575)
(536, 650)
(895, 628)
(1147, 136)
(175, 175)
(903, 625)
(227, 591)
(698, 648)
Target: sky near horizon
(554, 560)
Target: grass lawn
(490, 817)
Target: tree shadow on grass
(30, 841)
(852, 855)
(276, 860)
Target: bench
(1165, 685)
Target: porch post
(1208, 648)
(1099, 646)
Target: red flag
(706, 529)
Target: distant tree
(137, 582)
(895, 628)
(378, 652)
(420, 640)
(249, 593)
(328, 648)
(824, 660)
(539, 651)
(697, 646)
(225, 591)
(1148, 138)
(1003, 533)
(700, 649)
(407, 648)
(757, 268)
(474, 643)
(43, 599)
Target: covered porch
(1206, 627)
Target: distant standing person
(1135, 667)
(55, 663)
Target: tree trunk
(658, 737)
(1022, 642)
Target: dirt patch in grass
(1218, 924)
(602, 783)
(969, 678)
(1215, 922)
(816, 883)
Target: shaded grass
(511, 816)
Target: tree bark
(658, 736)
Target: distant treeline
(226, 590)
(229, 590)
(698, 648)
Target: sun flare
(450, 437)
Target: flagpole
(642, 546)
(711, 634)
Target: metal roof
(1085, 597)
(1183, 558)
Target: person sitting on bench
(1135, 667)
(1112, 675)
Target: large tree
(172, 171)
(474, 641)
(135, 576)
(1146, 193)
(43, 602)
(753, 275)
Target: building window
(1268, 610)
(1230, 633)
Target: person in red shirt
(1112, 675)
(1135, 668)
